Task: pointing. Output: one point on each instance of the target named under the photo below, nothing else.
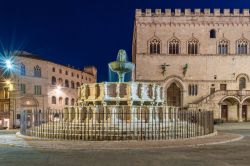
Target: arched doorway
(230, 109)
(30, 104)
(245, 109)
(174, 95)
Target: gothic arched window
(223, 47)
(53, 100)
(22, 70)
(193, 46)
(174, 46)
(37, 71)
(242, 46)
(212, 33)
(155, 46)
(53, 80)
(242, 83)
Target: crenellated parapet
(189, 12)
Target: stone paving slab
(11, 139)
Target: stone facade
(201, 58)
(39, 84)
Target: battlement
(189, 12)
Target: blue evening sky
(81, 32)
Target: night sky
(82, 32)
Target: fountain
(118, 111)
(121, 66)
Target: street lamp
(9, 64)
(7, 82)
(58, 89)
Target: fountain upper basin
(124, 67)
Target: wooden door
(224, 112)
(244, 112)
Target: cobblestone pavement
(228, 154)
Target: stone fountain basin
(129, 92)
(123, 67)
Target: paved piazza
(16, 151)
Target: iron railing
(96, 123)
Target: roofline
(32, 56)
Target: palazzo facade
(38, 85)
(200, 57)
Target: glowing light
(28, 102)
(7, 82)
(58, 87)
(8, 64)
